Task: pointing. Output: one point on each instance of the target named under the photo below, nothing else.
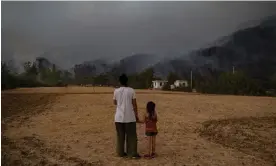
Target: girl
(150, 119)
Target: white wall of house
(158, 84)
(181, 83)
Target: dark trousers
(126, 131)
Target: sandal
(124, 155)
(136, 156)
(147, 156)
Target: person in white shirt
(125, 119)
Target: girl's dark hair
(151, 109)
(123, 80)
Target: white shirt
(124, 111)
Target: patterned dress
(150, 125)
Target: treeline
(141, 80)
(237, 83)
(42, 73)
(35, 74)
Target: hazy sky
(79, 31)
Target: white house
(181, 83)
(158, 84)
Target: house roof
(181, 80)
(159, 81)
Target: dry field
(74, 126)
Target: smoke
(72, 32)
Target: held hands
(137, 118)
(139, 121)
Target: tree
(30, 70)
(147, 76)
(273, 81)
(9, 81)
(54, 76)
(66, 77)
(142, 80)
(171, 78)
(27, 66)
(101, 79)
(228, 83)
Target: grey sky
(73, 32)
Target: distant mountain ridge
(129, 65)
(252, 50)
(137, 63)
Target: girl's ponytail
(151, 110)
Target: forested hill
(251, 50)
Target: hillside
(137, 63)
(130, 65)
(251, 50)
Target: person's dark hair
(151, 109)
(123, 80)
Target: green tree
(101, 79)
(30, 70)
(171, 78)
(54, 76)
(273, 81)
(142, 80)
(66, 77)
(146, 77)
(228, 83)
(9, 81)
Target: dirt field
(75, 126)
